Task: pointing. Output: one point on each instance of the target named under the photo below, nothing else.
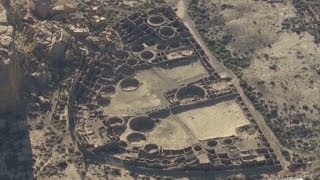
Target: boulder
(58, 13)
(59, 45)
(6, 41)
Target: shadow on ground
(15, 149)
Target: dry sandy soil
(220, 120)
(181, 130)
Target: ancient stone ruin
(137, 106)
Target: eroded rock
(59, 45)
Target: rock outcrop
(59, 45)
(10, 72)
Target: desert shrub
(226, 56)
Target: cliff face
(10, 73)
(9, 85)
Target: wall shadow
(16, 161)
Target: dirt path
(182, 7)
(182, 12)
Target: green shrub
(225, 56)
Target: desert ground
(282, 78)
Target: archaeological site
(156, 89)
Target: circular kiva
(147, 55)
(107, 72)
(137, 48)
(118, 129)
(142, 124)
(112, 121)
(197, 148)
(212, 143)
(121, 54)
(211, 151)
(190, 91)
(129, 84)
(151, 148)
(109, 89)
(136, 137)
(132, 62)
(167, 31)
(228, 141)
(156, 20)
(125, 70)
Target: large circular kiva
(121, 54)
(142, 123)
(129, 84)
(190, 91)
(126, 70)
(167, 31)
(137, 48)
(147, 55)
(156, 20)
